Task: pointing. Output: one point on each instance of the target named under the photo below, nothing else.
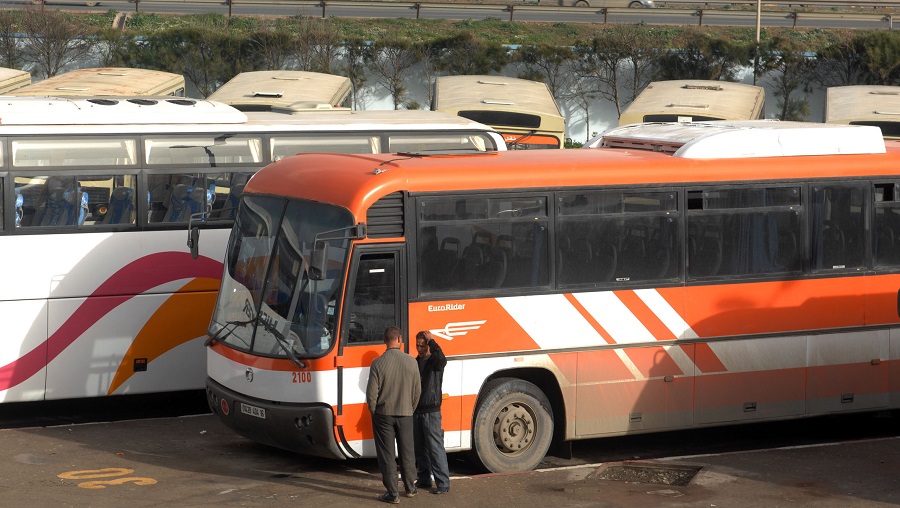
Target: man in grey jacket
(392, 394)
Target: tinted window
(744, 231)
(474, 242)
(621, 236)
(838, 226)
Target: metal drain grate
(678, 476)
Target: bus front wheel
(513, 426)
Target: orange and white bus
(523, 111)
(877, 105)
(680, 276)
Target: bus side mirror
(194, 241)
(318, 264)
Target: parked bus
(11, 79)
(106, 81)
(523, 111)
(877, 105)
(264, 90)
(100, 295)
(682, 276)
(695, 100)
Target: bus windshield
(269, 305)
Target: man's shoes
(423, 485)
(411, 493)
(388, 498)
(442, 490)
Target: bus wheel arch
(513, 425)
(582, 3)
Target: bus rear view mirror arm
(193, 241)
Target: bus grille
(385, 217)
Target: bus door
(373, 303)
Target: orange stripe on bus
(590, 319)
(646, 316)
(706, 359)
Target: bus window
(838, 226)
(210, 150)
(75, 200)
(473, 242)
(373, 307)
(54, 201)
(285, 146)
(451, 142)
(2, 204)
(174, 197)
(111, 200)
(622, 236)
(227, 189)
(744, 231)
(887, 224)
(71, 151)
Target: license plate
(253, 411)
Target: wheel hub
(514, 428)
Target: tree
(11, 56)
(389, 60)
(466, 54)
(271, 50)
(356, 52)
(548, 64)
(206, 57)
(840, 64)
(316, 44)
(699, 55)
(619, 62)
(52, 41)
(880, 57)
(791, 69)
(553, 65)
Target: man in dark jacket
(431, 457)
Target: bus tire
(513, 426)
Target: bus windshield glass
(269, 306)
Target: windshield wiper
(222, 334)
(281, 341)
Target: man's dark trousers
(386, 429)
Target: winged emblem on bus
(457, 329)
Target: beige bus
(694, 101)
(12, 79)
(523, 111)
(107, 82)
(296, 90)
(877, 105)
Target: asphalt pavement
(195, 461)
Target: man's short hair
(392, 333)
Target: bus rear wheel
(513, 426)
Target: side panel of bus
(117, 314)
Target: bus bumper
(301, 428)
